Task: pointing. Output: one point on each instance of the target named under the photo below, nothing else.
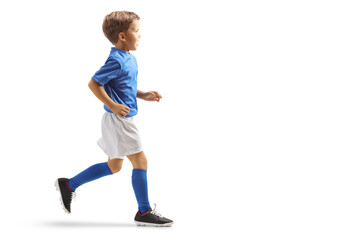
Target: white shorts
(120, 136)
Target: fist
(120, 110)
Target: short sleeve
(107, 72)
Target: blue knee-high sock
(92, 173)
(139, 182)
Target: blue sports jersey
(118, 76)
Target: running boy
(115, 84)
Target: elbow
(92, 84)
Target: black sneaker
(152, 218)
(65, 192)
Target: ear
(121, 36)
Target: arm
(100, 93)
(140, 94)
(149, 96)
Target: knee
(138, 160)
(144, 164)
(115, 169)
(141, 164)
(115, 165)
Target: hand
(152, 96)
(120, 110)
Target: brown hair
(117, 22)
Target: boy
(115, 84)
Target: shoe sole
(145, 224)
(58, 189)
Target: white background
(256, 137)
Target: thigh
(138, 160)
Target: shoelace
(155, 212)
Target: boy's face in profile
(132, 36)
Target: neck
(119, 45)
